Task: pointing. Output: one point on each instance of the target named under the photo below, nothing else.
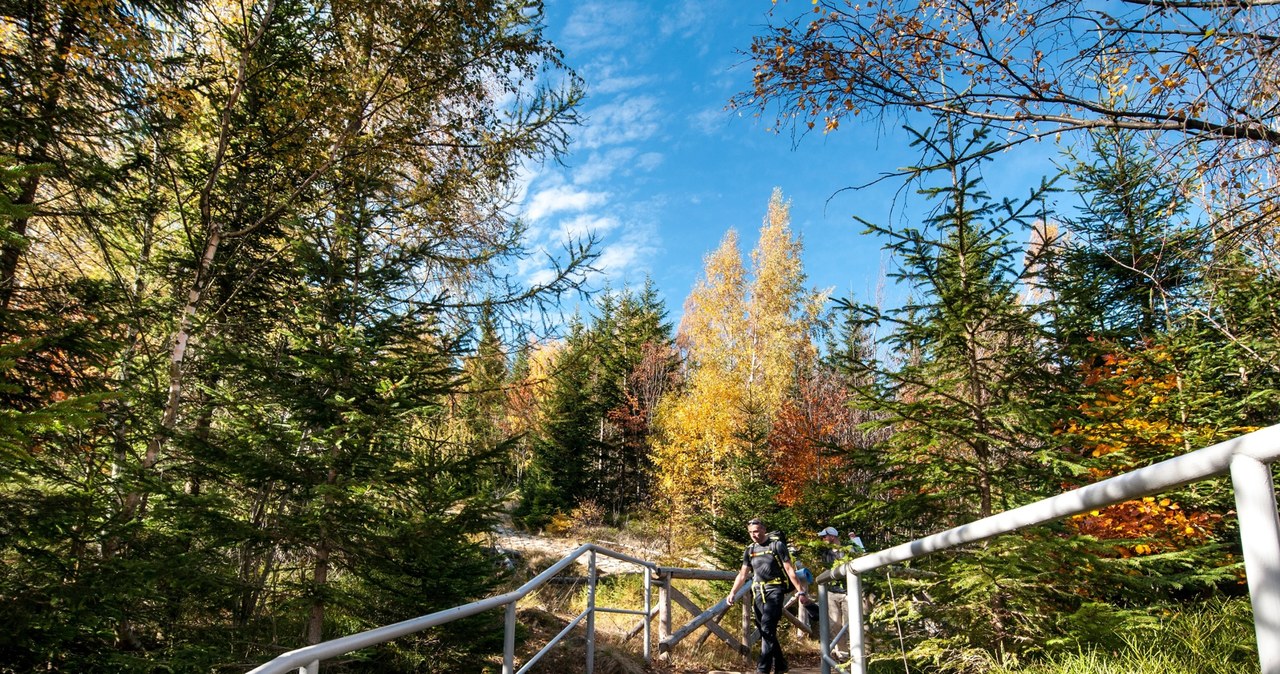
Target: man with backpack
(770, 564)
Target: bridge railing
(307, 660)
(1247, 459)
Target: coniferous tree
(591, 442)
(564, 450)
(482, 404)
(633, 351)
(1151, 378)
(964, 399)
(271, 235)
(1131, 254)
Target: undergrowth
(1213, 638)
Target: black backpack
(780, 537)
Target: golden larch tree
(742, 335)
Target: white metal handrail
(307, 660)
(1247, 458)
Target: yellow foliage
(744, 339)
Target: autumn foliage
(807, 433)
(1130, 418)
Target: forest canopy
(267, 379)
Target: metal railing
(1247, 459)
(307, 660)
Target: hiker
(837, 595)
(856, 542)
(770, 563)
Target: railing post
(591, 612)
(664, 607)
(824, 628)
(648, 614)
(1260, 540)
(857, 645)
(509, 641)
(312, 668)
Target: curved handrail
(1262, 445)
(1246, 458)
(308, 655)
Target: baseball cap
(829, 531)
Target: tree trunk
(11, 253)
(315, 626)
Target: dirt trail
(526, 544)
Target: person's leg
(770, 649)
(811, 615)
(837, 613)
(758, 608)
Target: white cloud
(541, 277)
(614, 73)
(595, 25)
(685, 23)
(617, 260)
(603, 165)
(627, 120)
(711, 120)
(626, 257)
(649, 161)
(586, 225)
(561, 198)
(618, 84)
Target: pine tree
(482, 404)
(633, 353)
(565, 455)
(1153, 376)
(590, 445)
(1125, 266)
(263, 245)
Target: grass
(1214, 638)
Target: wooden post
(713, 627)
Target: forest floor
(534, 545)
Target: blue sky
(661, 169)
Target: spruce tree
(565, 456)
(963, 390)
(1125, 266)
(1151, 373)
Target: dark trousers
(768, 611)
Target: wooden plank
(801, 624)
(713, 627)
(665, 645)
(640, 625)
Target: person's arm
(737, 582)
(802, 590)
